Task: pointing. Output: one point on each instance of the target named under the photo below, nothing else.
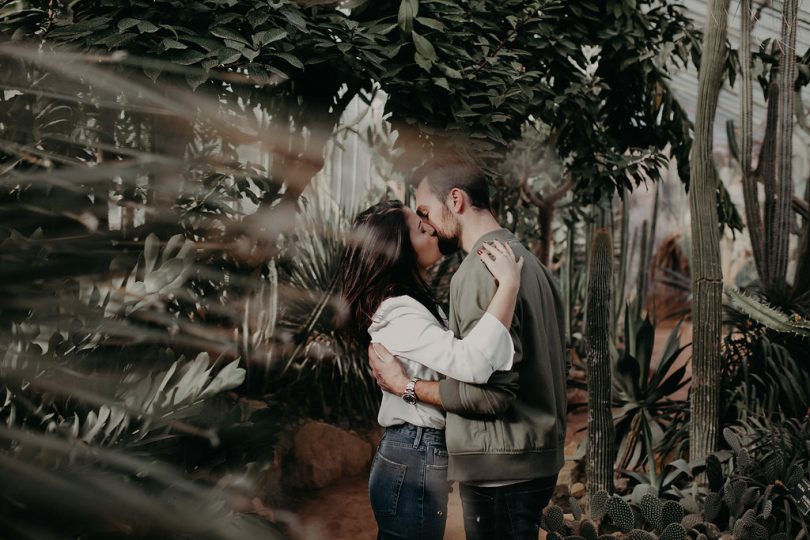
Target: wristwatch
(409, 396)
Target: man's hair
(444, 174)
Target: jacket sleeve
(408, 330)
(470, 297)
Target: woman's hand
(388, 371)
(500, 260)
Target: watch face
(409, 399)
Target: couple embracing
(477, 397)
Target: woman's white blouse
(428, 350)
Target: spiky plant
(601, 453)
(707, 287)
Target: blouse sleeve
(408, 330)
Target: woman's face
(423, 239)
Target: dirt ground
(342, 511)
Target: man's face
(437, 214)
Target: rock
(576, 396)
(578, 490)
(323, 454)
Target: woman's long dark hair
(380, 262)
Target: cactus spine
(598, 321)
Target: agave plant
(649, 419)
(317, 355)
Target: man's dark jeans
(510, 512)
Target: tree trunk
(707, 278)
(601, 453)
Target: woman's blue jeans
(408, 484)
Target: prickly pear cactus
(587, 530)
(639, 534)
(553, 519)
(620, 513)
(671, 512)
(597, 504)
(673, 531)
(714, 473)
(712, 506)
(651, 506)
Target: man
(505, 438)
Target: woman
(387, 301)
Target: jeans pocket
(437, 458)
(384, 485)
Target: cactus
(732, 496)
(638, 519)
(651, 510)
(714, 472)
(784, 146)
(671, 512)
(597, 334)
(598, 502)
(752, 215)
(673, 531)
(576, 511)
(690, 521)
(587, 530)
(769, 316)
(712, 506)
(749, 497)
(732, 439)
(689, 505)
(767, 508)
(707, 277)
(553, 518)
(639, 534)
(640, 490)
(747, 528)
(794, 475)
(620, 513)
(774, 465)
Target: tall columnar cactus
(784, 141)
(770, 231)
(707, 276)
(598, 321)
(752, 216)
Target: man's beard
(449, 243)
(447, 246)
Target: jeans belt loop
(418, 438)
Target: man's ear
(456, 200)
